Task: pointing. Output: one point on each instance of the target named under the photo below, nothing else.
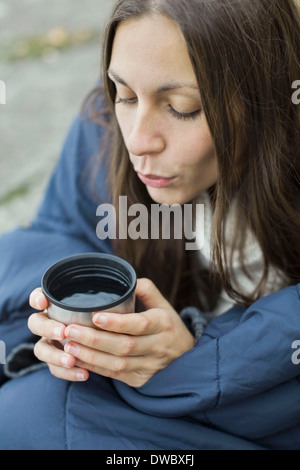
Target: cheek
(198, 150)
(207, 150)
(200, 165)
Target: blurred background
(50, 56)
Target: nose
(146, 134)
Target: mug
(80, 285)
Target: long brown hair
(246, 55)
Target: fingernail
(72, 349)
(65, 361)
(100, 319)
(80, 376)
(59, 332)
(72, 332)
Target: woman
(197, 109)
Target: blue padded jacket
(238, 388)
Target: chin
(164, 196)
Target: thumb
(149, 295)
(37, 299)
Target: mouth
(155, 181)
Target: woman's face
(158, 108)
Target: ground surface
(49, 60)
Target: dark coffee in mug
(79, 285)
(89, 291)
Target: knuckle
(122, 321)
(162, 352)
(94, 340)
(90, 357)
(167, 321)
(128, 345)
(145, 323)
(120, 365)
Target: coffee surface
(90, 299)
(88, 291)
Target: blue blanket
(238, 388)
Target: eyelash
(183, 116)
(126, 101)
(171, 110)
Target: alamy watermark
(296, 94)
(2, 352)
(296, 354)
(2, 92)
(164, 220)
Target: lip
(155, 181)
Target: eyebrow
(163, 89)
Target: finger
(48, 352)
(72, 375)
(96, 370)
(149, 295)
(134, 378)
(38, 300)
(40, 325)
(137, 324)
(112, 343)
(96, 360)
(61, 365)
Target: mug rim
(82, 256)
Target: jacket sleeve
(242, 355)
(65, 225)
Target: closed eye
(184, 116)
(126, 100)
(171, 110)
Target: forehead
(151, 47)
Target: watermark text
(296, 354)
(159, 459)
(296, 94)
(163, 221)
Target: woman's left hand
(131, 347)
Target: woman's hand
(49, 349)
(129, 347)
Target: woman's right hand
(49, 349)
